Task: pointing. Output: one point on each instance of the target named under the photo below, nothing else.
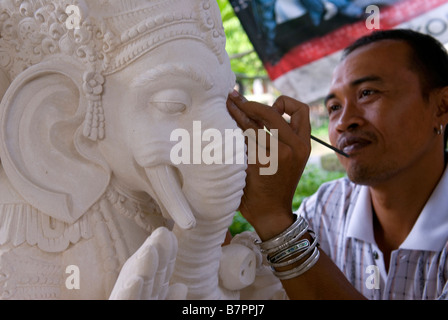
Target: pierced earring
(440, 130)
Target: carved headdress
(103, 35)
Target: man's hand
(267, 200)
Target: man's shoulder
(329, 210)
(341, 187)
(333, 193)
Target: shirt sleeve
(443, 273)
(326, 212)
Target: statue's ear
(42, 114)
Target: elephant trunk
(203, 209)
(198, 258)
(202, 199)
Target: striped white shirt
(340, 213)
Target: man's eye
(333, 107)
(366, 93)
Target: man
(383, 232)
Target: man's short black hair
(429, 58)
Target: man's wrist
(292, 252)
(273, 224)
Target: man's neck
(398, 202)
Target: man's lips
(351, 144)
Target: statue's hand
(264, 285)
(146, 274)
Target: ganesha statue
(91, 204)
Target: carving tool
(236, 94)
(330, 146)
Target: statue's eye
(171, 101)
(170, 107)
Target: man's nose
(350, 117)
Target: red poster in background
(292, 35)
(319, 47)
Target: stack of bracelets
(288, 248)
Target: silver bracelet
(283, 263)
(284, 239)
(288, 243)
(301, 269)
(297, 247)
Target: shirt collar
(430, 232)
(361, 224)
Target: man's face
(378, 115)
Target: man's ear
(442, 106)
(41, 115)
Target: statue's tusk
(169, 195)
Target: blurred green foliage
(239, 224)
(238, 43)
(313, 177)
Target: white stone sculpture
(92, 91)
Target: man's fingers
(256, 116)
(241, 118)
(253, 113)
(298, 112)
(253, 130)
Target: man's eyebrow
(354, 83)
(329, 97)
(371, 78)
(172, 70)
